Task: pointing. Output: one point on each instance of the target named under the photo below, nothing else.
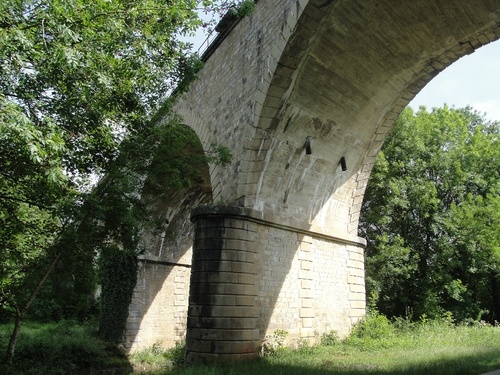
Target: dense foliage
(74, 77)
(431, 216)
(64, 347)
(79, 84)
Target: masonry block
(356, 279)
(356, 272)
(305, 293)
(305, 274)
(306, 265)
(307, 322)
(357, 288)
(356, 264)
(306, 284)
(357, 296)
(306, 313)
(307, 303)
(358, 304)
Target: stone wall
(158, 312)
(265, 277)
(308, 283)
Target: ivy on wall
(118, 269)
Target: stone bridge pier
(252, 275)
(303, 92)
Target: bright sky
(472, 80)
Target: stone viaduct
(304, 93)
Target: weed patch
(156, 358)
(380, 347)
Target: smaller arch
(176, 181)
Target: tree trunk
(20, 313)
(13, 338)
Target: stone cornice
(271, 220)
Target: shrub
(330, 338)
(63, 348)
(373, 326)
(176, 354)
(158, 358)
(244, 8)
(404, 325)
(274, 343)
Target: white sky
(472, 80)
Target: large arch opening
(459, 107)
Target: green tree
(76, 78)
(431, 218)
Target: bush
(157, 358)
(330, 338)
(62, 348)
(373, 326)
(273, 344)
(374, 331)
(404, 325)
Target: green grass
(433, 348)
(375, 347)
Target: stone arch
(346, 72)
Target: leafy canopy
(80, 82)
(74, 73)
(431, 217)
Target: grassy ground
(430, 349)
(376, 347)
